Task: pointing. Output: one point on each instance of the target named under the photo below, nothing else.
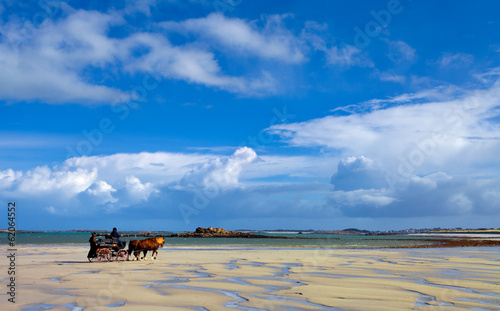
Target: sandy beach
(61, 278)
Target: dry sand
(60, 278)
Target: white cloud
(461, 203)
(8, 177)
(274, 41)
(157, 168)
(103, 191)
(400, 51)
(356, 198)
(391, 77)
(453, 60)
(139, 6)
(336, 54)
(347, 56)
(311, 167)
(191, 64)
(42, 180)
(220, 172)
(311, 34)
(487, 77)
(51, 210)
(47, 65)
(355, 173)
(137, 190)
(439, 93)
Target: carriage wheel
(121, 255)
(104, 255)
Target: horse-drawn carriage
(108, 249)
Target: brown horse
(132, 247)
(151, 244)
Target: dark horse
(138, 246)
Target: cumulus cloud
(103, 191)
(361, 203)
(43, 180)
(355, 173)
(267, 167)
(220, 172)
(8, 177)
(363, 190)
(138, 191)
(157, 168)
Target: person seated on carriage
(93, 247)
(117, 236)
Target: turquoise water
(306, 240)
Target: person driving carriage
(116, 235)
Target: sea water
(299, 240)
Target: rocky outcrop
(211, 232)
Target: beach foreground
(61, 278)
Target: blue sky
(169, 115)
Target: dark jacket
(93, 247)
(116, 235)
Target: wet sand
(61, 278)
